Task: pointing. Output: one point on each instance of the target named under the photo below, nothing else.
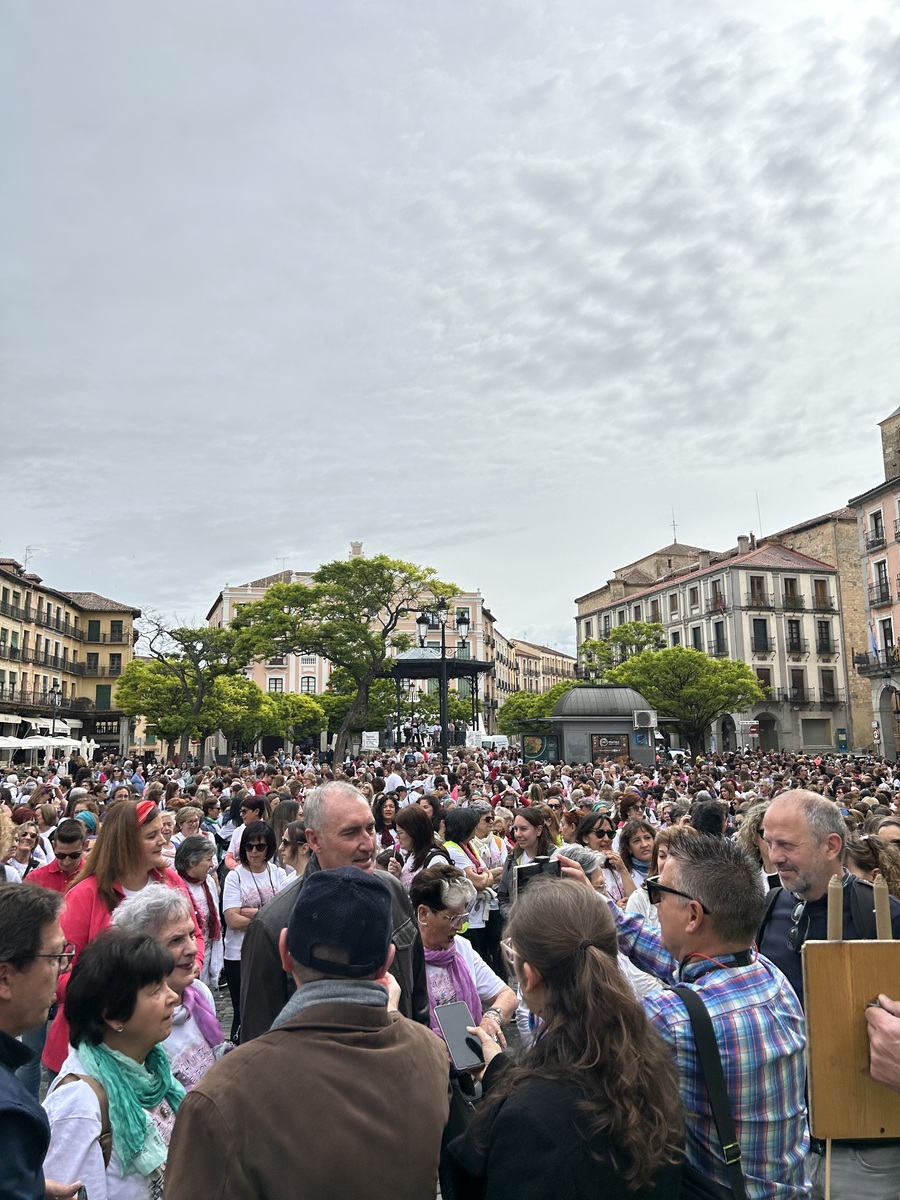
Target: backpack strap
(771, 899)
(716, 1088)
(99, 1091)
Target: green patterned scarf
(133, 1088)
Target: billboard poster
(541, 749)
(605, 746)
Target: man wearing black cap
(342, 1097)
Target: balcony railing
(716, 649)
(762, 645)
(760, 600)
(825, 646)
(897, 529)
(717, 604)
(10, 653)
(797, 646)
(796, 695)
(881, 662)
(879, 593)
(822, 602)
(35, 698)
(793, 601)
(829, 698)
(7, 609)
(875, 539)
(96, 670)
(66, 628)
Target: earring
(119, 1028)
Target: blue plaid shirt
(761, 1036)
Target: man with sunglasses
(33, 951)
(68, 858)
(709, 901)
(805, 836)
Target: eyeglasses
(509, 954)
(457, 920)
(257, 846)
(794, 941)
(603, 833)
(63, 959)
(555, 807)
(655, 890)
(62, 855)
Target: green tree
(689, 689)
(598, 655)
(175, 689)
(349, 615)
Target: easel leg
(828, 1169)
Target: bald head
(805, 836)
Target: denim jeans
(858, 1172)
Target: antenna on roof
(758, 516)
(29, 555)
(674, 528)
(282, 560)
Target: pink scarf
(462, 981)
(199, 1008)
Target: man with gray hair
(340, 831)
(709, 899)
(805, 836)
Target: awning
(10, 719)
(62, 725)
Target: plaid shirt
(761, 1036)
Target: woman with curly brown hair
(592, 1109)
(867, 856)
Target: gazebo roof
(424, 662)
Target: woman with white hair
(196, 1041)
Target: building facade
(61, 654)
(767, 605)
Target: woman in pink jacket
(126, 857)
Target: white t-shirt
(188, 1052)
(440, 987)
(246, 889)
(75, 1127)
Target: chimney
(743, 544)
(890, 444)
(355, 550)
(752, 540)
(704, 559)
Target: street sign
(754, 728)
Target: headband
(144, 808)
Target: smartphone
(465, 1049)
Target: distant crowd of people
(579, 912)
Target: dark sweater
(534, 1149)
(24, 1128)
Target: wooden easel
(839, 980)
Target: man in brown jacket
(342, 1097)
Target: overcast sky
(492, 287)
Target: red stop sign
(754, 728)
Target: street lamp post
(423, 622)
(54, 700)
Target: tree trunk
(343, 734)
(184, 748)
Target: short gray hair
(822, 816)
(314, 814)
(482, 808)
(151, 909)
(721, 876)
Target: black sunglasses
(257, 846)
(655, 889)
(75, 854)
(794, 941)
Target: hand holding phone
(455, 1022)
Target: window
(620, 617)
(694, 597)
(764, 675)
(654, 610)
(606, 620)
(794, 644)
(307, 660)
(791, 593)
(760, 636)
(4, 634)
(697, 637)
(876, 526)
(673, 603)
(757, 591)
(463, 650)
(103, 696)
(115, 664)
(116, 631)
(464, 689)
(820, 593)
(887, 636)
(798, 684)
(719, 637)
(93, 663)
(4, 595)
(93, 634)
(275, 683)
(676, 639)
(636, 611)
(588, 630)
(308, 684)
(823, 637)
(826, 675)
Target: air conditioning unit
(644, 718)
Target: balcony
(793, 602)
(825, 646)
(796, 646)
(95, 671)
(831, 698)
(881, 662)
(13, 611)
(879, 593)
(716, 649)
(762, 645)
(875, 539)
(35, 699)
(760, 600)
(897, 530)
(717, 604)
(795, 695)
(822, 602)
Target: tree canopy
(598, 655)
(689, 688)
(520, 709)
(349, 615)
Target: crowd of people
(579, 911)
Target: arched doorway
(768, 732)
(728, 738)
(888, 706)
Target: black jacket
(532, 1148)
(24, 1128)
(265, 988)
